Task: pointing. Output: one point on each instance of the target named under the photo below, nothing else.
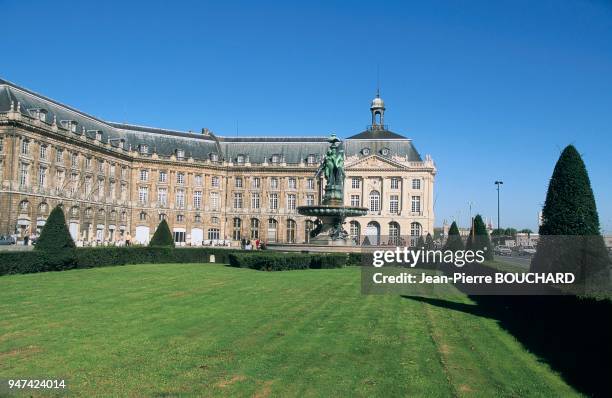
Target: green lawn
(209, 330)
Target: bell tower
(378, 112)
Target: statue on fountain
(331, 212)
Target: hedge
(277, 261)
(41, 261)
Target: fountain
(331, 213)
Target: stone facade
(112, 179)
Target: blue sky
(492, 90)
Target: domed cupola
(378, 112)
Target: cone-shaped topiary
(55, 235)
(570, 239)
(453, 242)
(429, 242)
(162, 235)
(420, 242)
(479, 238)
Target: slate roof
(165, 142)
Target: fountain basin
(332, 211)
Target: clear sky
(491, 89)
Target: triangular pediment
(374, 162)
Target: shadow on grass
(572, 335)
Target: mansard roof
(165, 142)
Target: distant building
(115, 178)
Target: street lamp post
(498, 183)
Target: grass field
(209, 330)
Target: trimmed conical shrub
(479, 238)
(55, 235)
(429, 242)
(570, 239)
(162, 235)
(420, 242)
(453, 242)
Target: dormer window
(180, 153)
(144, 149)
(70, 125)
(311, 159)
(385, 151)
(276, 158)
(98, 135)
(214, 157)
(39, 113)
(240, 159)
(365, 151)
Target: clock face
(365, 151)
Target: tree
(453, 242)
(429, 242)
(510, 232)
(570, 212)
(55, 235)
(526, 231)
(162, 235)
(420, 242)
(479, 238)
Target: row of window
(395, 183)
(394, 202)
(215, 181)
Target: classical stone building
(114, 178)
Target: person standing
(128, 239)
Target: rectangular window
(237, 201)
(163, 176)
(310, 200)
(310, 184)
(355, 201)
(197, 199)
(180, 198)
(355, 183)
(256, 182)
(198, 180)
(124, 171)
(394, 204)
(255, 202)
(394, 183)
(100, 188)
(74, 159)
(88, 163)
(180, 178)
(292, 183)
(144, 175)
(59, 176)
(416, 204)
(291, 201)
(42, 174)
(214, 200)
(238, 182)
(274, 183)
(111, 189)
(43, 152)
(162, 196)
(87, 185)
(112, 169)
(214, 182)
(416, 183)
(101, 166)
(1, 144)
(143, 195)
(59, 155)
(25, 147)
(179, 236)
(123, 192)
(273, 201)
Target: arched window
(272, 227)
(354, 231)
(42, 208)
(254, 228)
(113, 215)
(162, 216)
(74, 211)
(24, 205)
(123, 216)
(372, 234)
(291, 231)
(375, 201)
(415, 233)
(394, 233)
(142, 216)
(101, 213)
(237, 225)
(214, 220)
(308, 228)
(88, 212)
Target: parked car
(6, 240)
(528, 250)
(503, 251)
